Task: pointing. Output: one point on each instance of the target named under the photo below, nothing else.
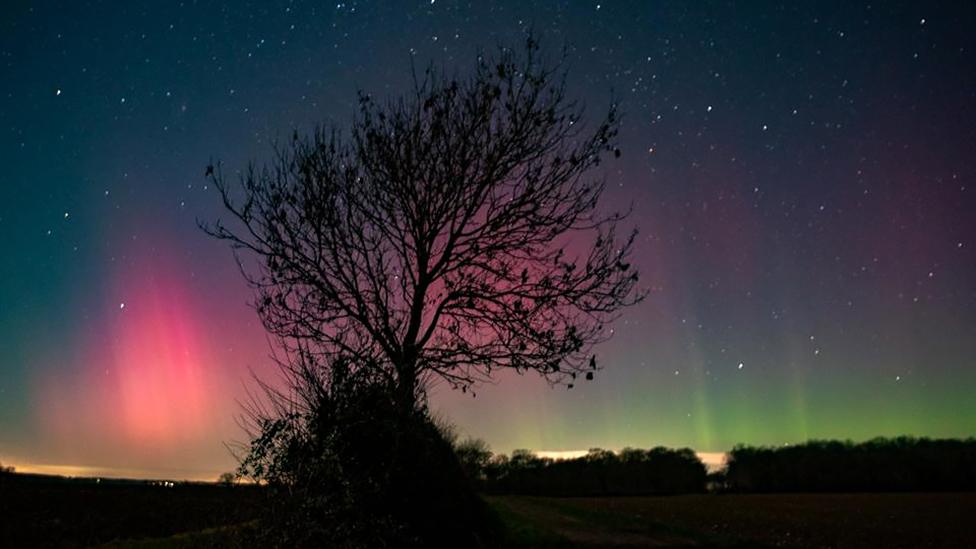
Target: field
(38, 511)
(35, 512)
(773, 520)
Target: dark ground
(44, 512)
(40, 511)
(908, 520)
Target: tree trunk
(406, 397)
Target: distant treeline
(881, 464)
(598, 473)
(896, 464)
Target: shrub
(352, 470)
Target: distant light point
(741, 365)
(121, 306)
(57, 92)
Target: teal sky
(802, 179)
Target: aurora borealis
(802, 178)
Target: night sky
(802, 177)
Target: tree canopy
(452, 232)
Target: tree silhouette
(598, 473)
(474, 456)
(881, 464)
(227, 479)
(444, 238)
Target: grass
(564, 522)
(220, 537)
(521, 531)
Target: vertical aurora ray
(694, 364)
(160, 370)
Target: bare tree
(454, 233)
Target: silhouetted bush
(599, 473)
(227, 479)
(716, 481)
(474, 456)
(898, 464)
(347, 468)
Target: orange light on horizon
(713, 460)
(88, 471)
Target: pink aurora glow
(155, 377)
